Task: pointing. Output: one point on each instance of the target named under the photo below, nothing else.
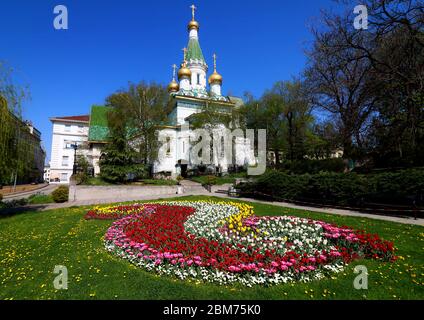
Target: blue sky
(110, 43)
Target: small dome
(173, 86)
(215, 78)
(184, 72)
(193, 24)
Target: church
(191, 91)
(191, 94)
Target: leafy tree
(285, 113)
(82, 175)
(118, 162)
(11, 90)
(337, 81)
(388, 79)
(15, 160)
(143, 107)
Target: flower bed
(225, 243)
(113, 213)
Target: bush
(81, 178)
(211, 180)
(403, 187)
(282, 185)
(314, 166)
(14, 203)
(60, 194)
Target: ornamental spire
(193, 9)
(173, 85)
(184, 55)
(174, 71)
(215, 77)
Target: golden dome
(184, 72)
(215, 78)
(173, 86)
(193, 24)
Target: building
(191, 91)
(67, 132)
(46, 175)
(87, 132)
(21, 153)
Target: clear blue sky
(110, 43)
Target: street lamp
(75, 147)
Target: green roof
(194, 52)
(99, 129)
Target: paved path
(197, 191)
(47, 189)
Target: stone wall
(117, 193)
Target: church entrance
(184, 171)
(183, 165)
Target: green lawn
(228, 179)
(33, 243)
(40, 199)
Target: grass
(96, 182)
(229, 179)
(40, 199)
(32, 244)
(157, 182)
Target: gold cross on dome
(193, 9)
(214, 61)
(185, 53)
(174, 68)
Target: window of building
(68, 144)
(222, 147)
(63, 177)
(168, 144)
(67, 128)
(65, 161)
(198, 78)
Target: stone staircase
(191, 187)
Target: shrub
(344, 188)
(61, 194)
(211, 180)
(81, 178)
(14, 203)
(397, 187)
(401, 187)
(282, 185)
(314, 166)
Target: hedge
(60, 194)
(403, 187)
